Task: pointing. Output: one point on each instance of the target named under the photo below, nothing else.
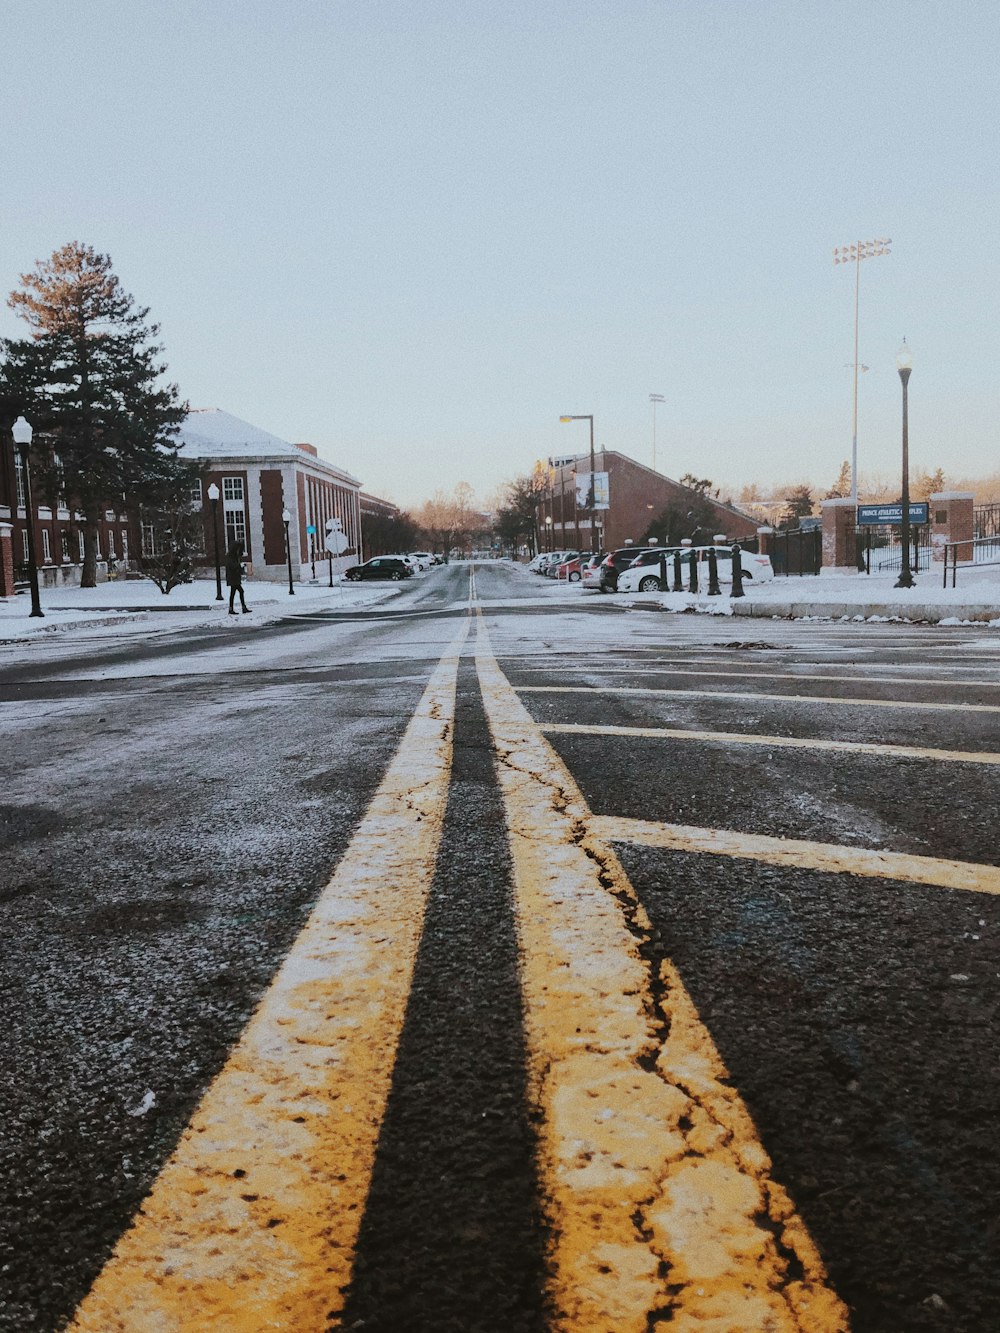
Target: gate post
(951, 521)
(839, 553)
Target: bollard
(663, 572)
(693, 584)
(713, 574)
(678, 585)
(737, 571)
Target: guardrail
(976, 546)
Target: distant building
(636, 496)
(260, 476)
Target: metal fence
(968, 554)
(986, 521)
(797, 551)
(880, 549)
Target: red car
(570, 569)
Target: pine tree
(89, 373)
(841, 488)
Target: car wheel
(575, 577)
(395, 576)
(649, 585)
(354, 578)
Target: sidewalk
(871, 597)
(134, 603)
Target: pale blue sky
(416, 233)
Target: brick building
(636, 496)
(259, 476)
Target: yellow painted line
(658, 1193)
(802, 855)
(598, 690)
(764, 675)
(775, 742)
(253, 1221)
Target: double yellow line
(658, 1194)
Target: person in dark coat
(234, 576)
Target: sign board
(602, 498)
(892, 515)
(564, 461)
(334, 525)
(311, 529)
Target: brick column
(6, 560)
(839, 551)
(951, 521)
(765, 540)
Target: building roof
(208, 432)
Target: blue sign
(311, 529)
(888, 515)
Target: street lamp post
(904, 364)
(853, 254)
(548, 533)
(591, 497)
(213, 495)
(22, 433)
(655, 398)
(286, 518)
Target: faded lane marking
(803, 855)
(253, 1221)
(841, 679)
(774, 742)
(598, 690)
(657, 1190)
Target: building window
(125, 546)
(236, 527)
(82, 547)
(97, 544)
(64, 540)
(196, 498)
(46, 546)
(234, 512)
(19, 478)
(24, 545)
(148, 539)
(111, 544)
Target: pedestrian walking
(234, 576)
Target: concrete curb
(928, 612)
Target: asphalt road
(175, 804)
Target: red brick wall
(272, 503)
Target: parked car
(423, 558)
(559, 558)
(570, 569)
(641, 577)
(613, 564)
(590, 571)
(380, 567)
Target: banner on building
(602, 494)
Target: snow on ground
(137, 602)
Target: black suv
(613, 564)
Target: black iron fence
(986, 521)
(880, 550)
(797, 551)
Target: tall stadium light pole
(904, 364)
(591, 497)
(853, 254)
(655, 398)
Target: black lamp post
(22, 433)
(286, 518)
(213, 495)
(904, 364)
(591, 496)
